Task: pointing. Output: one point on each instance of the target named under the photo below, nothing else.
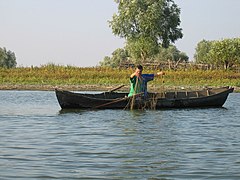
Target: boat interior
(169, 95)
(184, 94)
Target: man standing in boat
(139, 81)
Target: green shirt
(139, 84)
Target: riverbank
(49, 77)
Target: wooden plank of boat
(212, 97)
(114, 89)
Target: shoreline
(53, 87)
(95, 87)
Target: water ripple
(42, 142)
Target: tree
(171, 54)
(202, 51)
(225, 52)
(106, 61)
(154, 21)
(7, 58)
(3, 56)
(141, 48)
(118, 56)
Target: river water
(39, 141)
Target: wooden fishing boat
(210, 97)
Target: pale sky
(76, 32)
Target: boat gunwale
(91, 96)
(229, 90)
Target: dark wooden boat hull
(113, 100)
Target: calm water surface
(39, 141)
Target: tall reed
(70, 75)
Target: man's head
(139, 67)
(139, 70)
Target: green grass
(67, 75)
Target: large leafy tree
(7, 58)
(154, 21)
(225, 52)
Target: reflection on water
(40, 141)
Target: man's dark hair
(140, 67)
